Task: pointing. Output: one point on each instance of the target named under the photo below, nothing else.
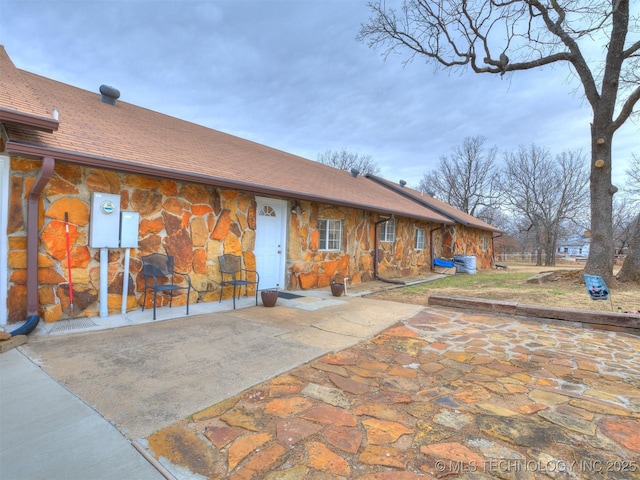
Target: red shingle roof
(19, 103)
(437, 205)
(132, 138)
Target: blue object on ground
(439, 262)
(27, 328)
(596, 287)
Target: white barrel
(465, 264)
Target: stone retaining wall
(596, 319)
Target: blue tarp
(596, 287)
(439, 262)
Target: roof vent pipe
(354, 172)
(403, 183)
(109, 94)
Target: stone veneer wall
(195, 223)
(461, 240)
(309, 267)
(469, 242)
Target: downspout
(431, 249)
(375, 261)
(493, 249)
(48, 164)
(33, 318)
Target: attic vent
(109, 94)
(403, 183)
(354, 172)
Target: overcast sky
(290, 74)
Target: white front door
(270, 249)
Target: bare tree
(466, 179)
(494, 216)
(496, 37)
(632, 186)
(630, 271)
(345, 160)
(547, 191)
(624, 212)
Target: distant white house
(575, 246)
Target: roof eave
(111, 163)
(37, 122)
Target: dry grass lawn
(564, 289)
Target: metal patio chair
(234, 275)
(160, 276)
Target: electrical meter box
(129, 222)
(104, 224)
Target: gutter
(15, 117)
(48, 164)
(375, 260)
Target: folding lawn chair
(597, 288)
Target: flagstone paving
(443, 394)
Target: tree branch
(631, 50)
(575, 57)
(627, 109)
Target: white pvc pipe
(125, 280)
(104, 287)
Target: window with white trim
(330, 234)
(421, 235)
(485, 244)
(388, 231)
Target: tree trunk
(630, 271)
(538, 243)
(550, 249)
(548, 255)
(600, 261)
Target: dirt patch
(555, 276)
